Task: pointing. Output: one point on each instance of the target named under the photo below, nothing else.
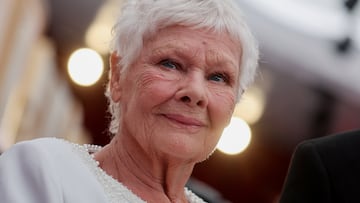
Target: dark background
(304, 99)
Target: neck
(153, 178)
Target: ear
(115, 87)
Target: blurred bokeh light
(235, 138)
(85, 67)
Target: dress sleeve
(26, 175)
(307, 178)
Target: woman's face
(179, 95)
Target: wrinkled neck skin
(152, 177)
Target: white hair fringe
(139, 20)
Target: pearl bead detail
(115, 191)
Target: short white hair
(140, 20)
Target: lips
(184, 120)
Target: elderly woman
(177, 70)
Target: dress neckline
(114, 190)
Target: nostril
(200, 103)
(186, 99)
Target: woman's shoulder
(51, 165)
(37, 146)
(38, 153)
(41, 142)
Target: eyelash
(224, 76)
(169, 61)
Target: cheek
(146, 80)
(153, 85)
(222, 105)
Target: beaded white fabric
(115, 191)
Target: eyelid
(171, 61)
(227, 79)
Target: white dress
(50, 170)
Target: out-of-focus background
(307, 86)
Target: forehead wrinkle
(173, 47)
(221, 59)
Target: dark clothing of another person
(325, 170)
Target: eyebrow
(219, 58)
(173, 48)
(216, 58)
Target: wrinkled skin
(175, 101)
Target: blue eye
(169, 64)
(219, 77)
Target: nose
(192, 91)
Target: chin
(185, 153)
(207, 156)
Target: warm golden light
(235, 138)
(85, 67)
(251, 106)
(98, 35)
(97, 38)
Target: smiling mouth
(183, 120)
